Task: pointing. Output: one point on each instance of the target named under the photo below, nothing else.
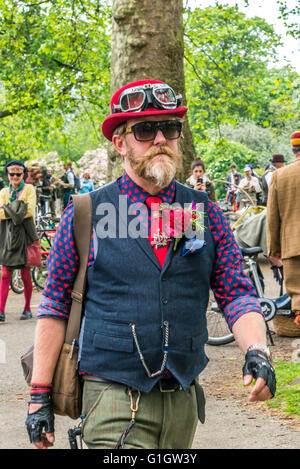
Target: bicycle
(38, 274)
(218, 331)
(16, 282)
(46, 222)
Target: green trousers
(164, 420)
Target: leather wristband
(40, 398)
(41, 418)
(258, 365)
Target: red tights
(4, 286)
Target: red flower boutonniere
(178, 222)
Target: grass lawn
(287, 397)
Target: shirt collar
(137, 194)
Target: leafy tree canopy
(54, 62)
(227, 56)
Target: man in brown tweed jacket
(283, 224)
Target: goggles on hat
(138, 98)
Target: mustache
(158, 150)
(160, 172)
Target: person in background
(17, 231)
(251, 186)
(34, 177)
(48, 190)
(67, 183)
(283, 224)
(234, 177)
(259, 195)
(253, 173)
(200, 181)
(28, 178)
(53, 191)
(86, 184)
(1, 184)
(277, 161)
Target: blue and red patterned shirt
(232, 288)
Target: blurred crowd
(245, 189)
(53, 191)
(242, 190)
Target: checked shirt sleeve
(233, 289)
(62, 264)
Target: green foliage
(288, 388)
(77, 135)
(261, 140)
(226, 63)
(290, 17)
(280, 91)
(54, 62)
(219, 154)
(54, 78)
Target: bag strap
(82, 226)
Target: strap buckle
(77, 296)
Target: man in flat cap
(283, 224)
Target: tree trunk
(147, 42)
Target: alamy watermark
(131, 221)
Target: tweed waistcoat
(134, 307)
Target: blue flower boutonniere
(191, 246)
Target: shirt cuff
(49, 308)
(239, 307)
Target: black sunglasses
(16, 174)
(147, 131)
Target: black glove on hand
(258, 365)
(42, 418)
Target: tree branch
(61, 64)
(12, 112)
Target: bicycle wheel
(16, 282)
(218, 330)
(40, 274)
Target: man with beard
(143, 332)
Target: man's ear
(119, 144)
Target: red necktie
(156, 228)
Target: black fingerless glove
(258, 365)
(42, 418)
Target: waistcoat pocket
(118, 344)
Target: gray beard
(159, 173)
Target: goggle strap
(179, 99)
(116, 107)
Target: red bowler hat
(133, 100)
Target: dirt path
(234, 423)
(231, 421)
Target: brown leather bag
(66, 384)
